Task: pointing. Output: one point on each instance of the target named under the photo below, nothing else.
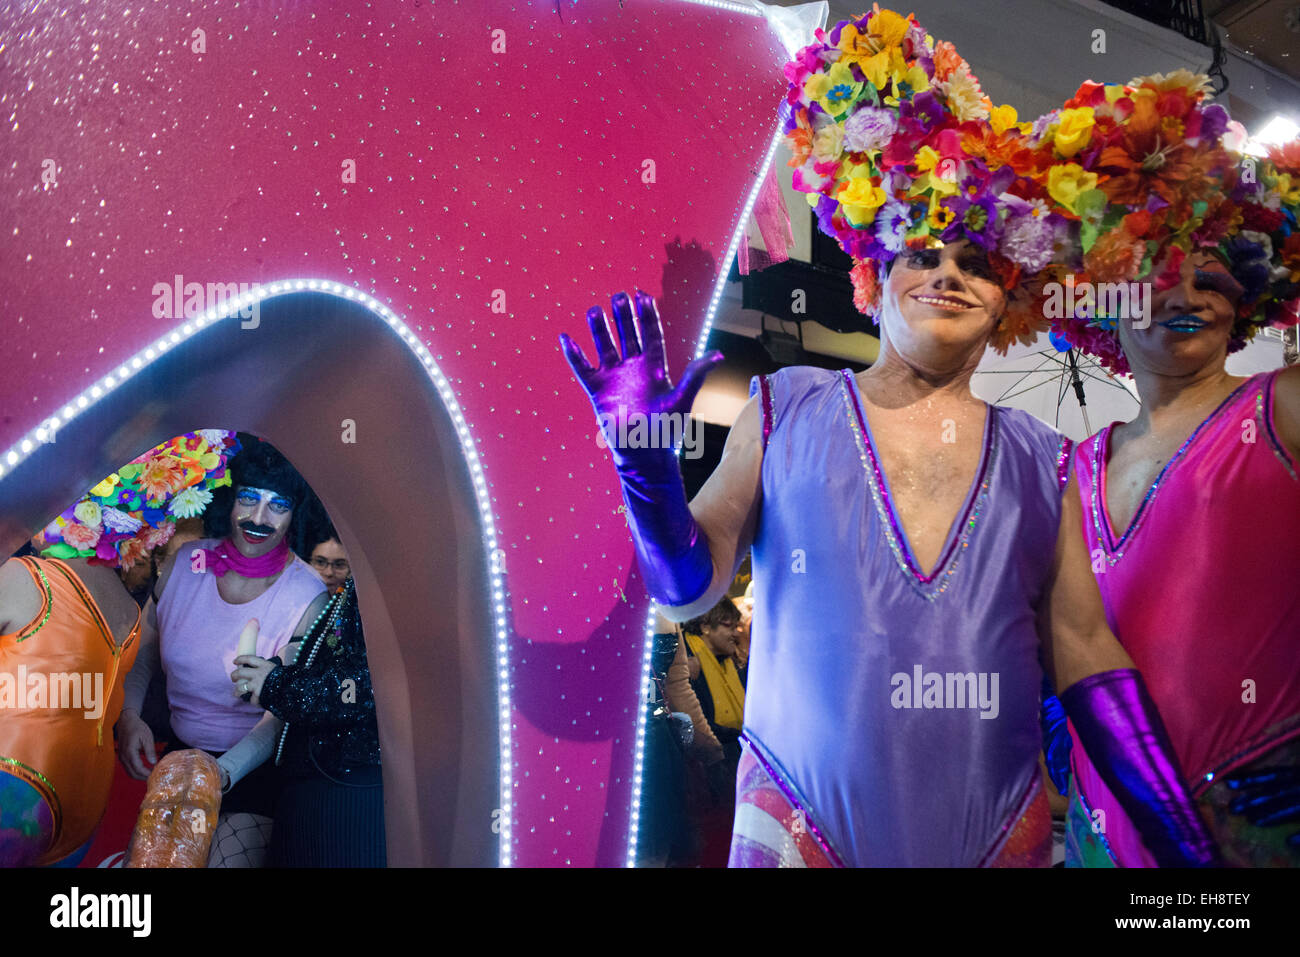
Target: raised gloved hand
(1267, 797)
(631, 396)
(1120, 728)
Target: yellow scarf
(724, 684)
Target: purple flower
(1247, 263)
(892, 222)
(1028, 240)
(924, 110)
(825, 209)
(870, 128)
(1214, 121)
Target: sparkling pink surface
(475, 171)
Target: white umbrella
(1067, 389)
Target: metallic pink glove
(1120, 728)
(671, 549)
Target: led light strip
(721, 284)
(45, 432)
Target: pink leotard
(1201, 590)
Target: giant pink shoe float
(417, 197)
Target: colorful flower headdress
(133, 511)
(1149, 171)
(896, 146)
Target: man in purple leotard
(912, 550)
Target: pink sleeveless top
(198, 633)
(1201, 590)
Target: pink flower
(81, 536)
(154, 537)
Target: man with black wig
(205, 595)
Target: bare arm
(726, 509)
(681, 696)
(1077, 642)
(148, 658)
(1286, 409)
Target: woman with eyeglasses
(330, 806)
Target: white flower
(965, 98)
(828, 144)
(190, 503)
(87, 513)
(214, 437)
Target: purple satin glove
(671, 549)
(1120, 728)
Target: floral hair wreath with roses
(133, 511)
(1151, 171)
(897, 147)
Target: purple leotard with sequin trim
(842, 614)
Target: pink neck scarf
(227, 558)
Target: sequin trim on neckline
(932, 586)
(1112, 549)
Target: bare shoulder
(20, 599)
(1286, 408)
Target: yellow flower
(1002, 118)
(835, 90)
(940, 217)
(1074, 131)
(859, 197)
(1288, 188)
(877, 70)
(1066, 182)
(886, 29)
(931, 175)
(105, 488)
(828, 143)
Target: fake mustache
(257, 529)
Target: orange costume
(61, 681)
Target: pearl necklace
(333, 608)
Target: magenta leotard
(841, 610)
(1203, 591)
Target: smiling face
(1191, 322)
(259, 520)
(939, 306)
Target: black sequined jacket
(325, 698)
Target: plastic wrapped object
(179, 813)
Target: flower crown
(897, 146)
(1151, 171)
(133, 511)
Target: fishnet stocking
(241, 840)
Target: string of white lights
(22, 450)
(720, 285)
